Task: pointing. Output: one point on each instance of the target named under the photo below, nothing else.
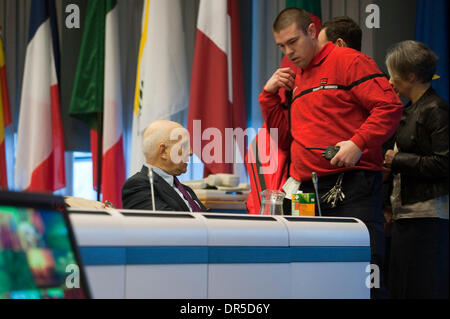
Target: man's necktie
(186, 195)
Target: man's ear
(162, 148)
(341, 43)
(312, 30)
(411, 78)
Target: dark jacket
(136, 194)
(422, 139)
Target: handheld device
(329, 151)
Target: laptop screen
(38, 253)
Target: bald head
(156, 133)
(166, 145)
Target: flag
(216, 97)
(5, 117)
(97, 95)
(267, 167)
(432, 29)
(161, 79)
(40, 138)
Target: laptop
(39, 258)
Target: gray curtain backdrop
(261, 57)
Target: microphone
(150, 176)
(316, 190)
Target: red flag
(216, 97)
(5, 117)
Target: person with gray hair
(419, 166)
(167, 149)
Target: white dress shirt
(169, 179)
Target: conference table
(152, 254)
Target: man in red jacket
(339, 98)
(343, 32)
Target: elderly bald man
(167, 149)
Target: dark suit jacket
(136, 194)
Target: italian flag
(97, 95)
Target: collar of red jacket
(327, 48)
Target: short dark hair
(414, 57)
(344, 28)
(292, 15)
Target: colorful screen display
(37, 257)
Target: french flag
(40, 140)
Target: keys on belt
(329, 151)
(336, 194)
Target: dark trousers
(418, 266)
(363, 200)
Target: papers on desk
(222, 182)
(242, 187)
(220, 187)
(220, 195)
(198, 184)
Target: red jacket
(341, 95)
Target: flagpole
(99, 153)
